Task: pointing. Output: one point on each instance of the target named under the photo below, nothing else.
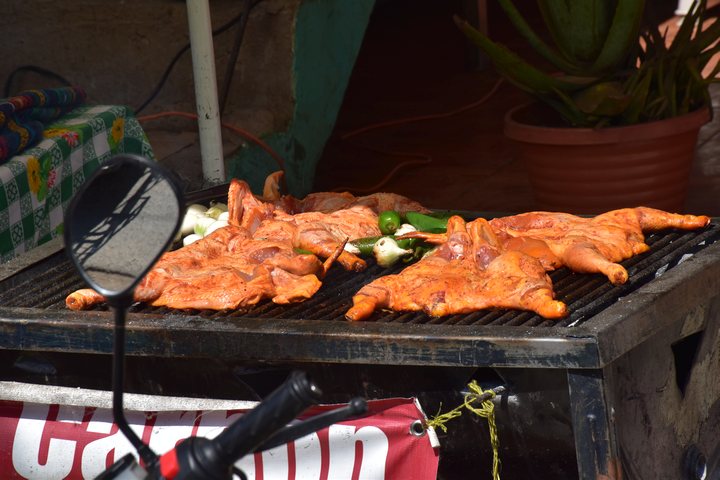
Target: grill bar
(585, 295)
(492, 338)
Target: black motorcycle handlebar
(202, 458)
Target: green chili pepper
(389, 221)
(426, 223)
(366, 244)
(302, 251)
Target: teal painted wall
(328, 36)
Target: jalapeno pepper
(426, 223)
(389, 221)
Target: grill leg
(595, 442)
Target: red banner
(40, 441)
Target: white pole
(683, 7)
(206, 94)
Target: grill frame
(594, 355)
(593, 342)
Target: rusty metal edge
(666, 302)
(312, 341)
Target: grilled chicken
(228, 269)
(466, 273)
(327, 202)
(251, 259)
(588, 245)
(317, 232)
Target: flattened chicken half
(466, 273)
(252, 259)
(321, 233)
(327, 202)
(228, 269)
(588, 245)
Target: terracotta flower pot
(585, 170)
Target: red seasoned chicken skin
(466, 273)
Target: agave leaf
(555, 16)
(709, 35)
(578, 27)
(684, 35)
(661, 80)
(602, 99)
(621, 37)
(672, 94)
(537, 44)
(638, 91)
(697, 85)
(599, 45)
(514, 68)
(564, 105)
(714, 73)
(655, 43)
(707, 55)
(689, 89)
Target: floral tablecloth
(37, 185)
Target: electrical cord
(185, 48)
(422, 159)
(35, 69)
(419, 118)
(248, 6)
(239, 131)
(230, 67)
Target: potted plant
(618, 113)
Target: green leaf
(578, 27)
(534, 40)
(708, 36)
(566, 107)
(638, 91)
(622, 36)
(684, 35)
(602, 99)
(517, 70)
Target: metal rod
(206, 92)
(118, 385)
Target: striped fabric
(23, 116)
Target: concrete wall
(118, 51)
(288, 83)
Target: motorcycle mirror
(120, 222)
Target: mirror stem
(118, 384)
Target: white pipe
(206, 94)
(683, 7)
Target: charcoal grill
(628, 380)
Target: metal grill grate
(45, 286)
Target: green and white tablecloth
(37, 185)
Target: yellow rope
(485, 410)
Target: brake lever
(298, 429)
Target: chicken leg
(590, 245)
